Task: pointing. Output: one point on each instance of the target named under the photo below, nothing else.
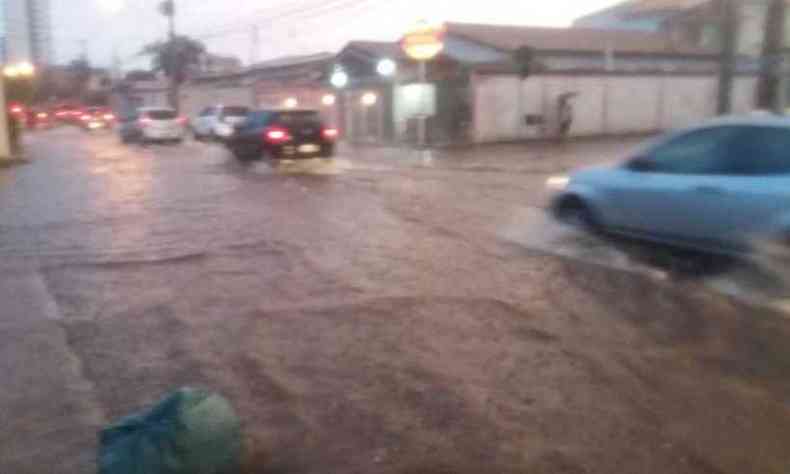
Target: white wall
(603, 104)
(195, 98)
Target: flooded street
(386, 311)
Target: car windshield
(161, 114)
(395, 237)
(301, 117)
(235, 111)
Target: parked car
(152, 124)
(97, 118)
(722, 187)
(217, 123)
(65, 112)
(37, 118)
(282, 134)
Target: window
(235, 111)
(697, 152)
(258, 119)
(161, 114)
(759, 150)
(302, 117)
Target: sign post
(422, 44)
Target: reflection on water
(758, 280)
(314, 166)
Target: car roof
(757, 118)
(286, 110)
(152, 109)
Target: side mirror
(641, 164)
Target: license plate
(310, 148)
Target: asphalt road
(384, 311)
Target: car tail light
(182, 120)
(330, 133)
(145, 121)
(277, 135)
(16, 109)
(109, 117)
(42, 115)
(85, 118)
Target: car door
(752, 192)
(203, 122)
(658, 193)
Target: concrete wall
(604, 104)
(196, 97)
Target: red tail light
(182, 120)
(16, 109)
(277, 135)
(144, 122)
(109, 117)
(85, 118)
(330, 133)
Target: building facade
(692, 21)
(26, 30)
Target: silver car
(721, 187)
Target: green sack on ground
(189, 432)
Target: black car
(282, 134)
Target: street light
(328, 100)
(386, 67)
(23, 69)
(339, 78)
(369, 98)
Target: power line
(301, 14)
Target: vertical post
(174, 61)
(771, 63)
(728, 15)
(5, 131)
(255, 43)
(422, 123)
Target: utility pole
(255, 44)
(728, 14)
(168, 9)
(770, 95)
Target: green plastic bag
(189, 432)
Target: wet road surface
(383, 311)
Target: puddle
(747, 281)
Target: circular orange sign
(424, 42)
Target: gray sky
(286, 26)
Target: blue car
(720, 187)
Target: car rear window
(300, 117)
(161, 114)
(235, 111)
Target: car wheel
(573, 211)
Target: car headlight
(558, 183)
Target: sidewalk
(51, 418)
(527, 157)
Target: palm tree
(176, 66)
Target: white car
(217, 122)
(153, 124)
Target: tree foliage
(175, 64)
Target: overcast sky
(285, 26)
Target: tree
(81, 71)
(176, 66)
